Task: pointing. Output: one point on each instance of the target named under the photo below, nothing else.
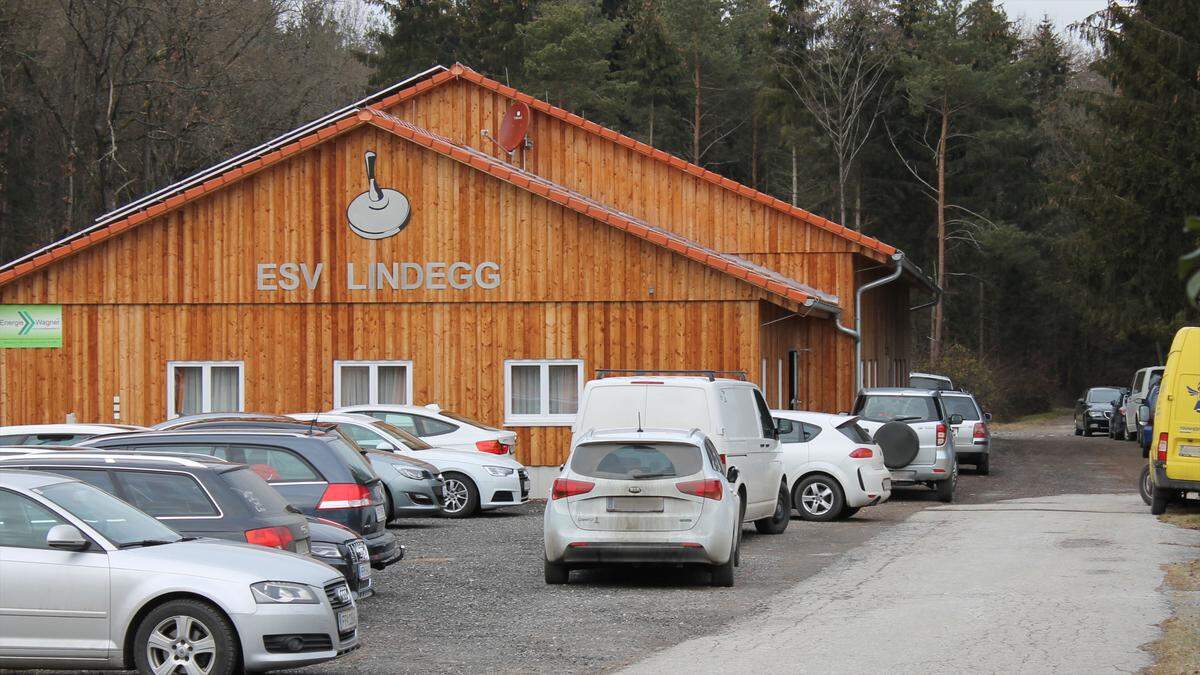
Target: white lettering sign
(399, 276)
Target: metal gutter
(856, 332)
(205, 174)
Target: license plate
(635, 504)
(364, 570)
(1189, 451)
(903, 475)
(347, 619)
(381, 514)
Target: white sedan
(639, 497)
(834, 466)
(442, 428)
(474, 481)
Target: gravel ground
(470, 595)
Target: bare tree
(839, 80)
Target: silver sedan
(92, 582)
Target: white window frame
(372, 380)
(544, 418)
(205, 383)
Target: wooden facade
(183, 281)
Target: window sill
(540, 421)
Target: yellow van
(1175, 445)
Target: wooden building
(491, 284)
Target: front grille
(502, 496)
(336, 599)
(309, 642)
(358, 551)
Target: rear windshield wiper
(906, 418)
(644, 476)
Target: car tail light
(271, 537)
(941, 434)
(565, 487)
(723, 462)
(980, 433)
(491, 447)
(862, 453)
(708, 489)
(1162, 447)
(345, 496)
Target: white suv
(441, 427)
(730, 412)
(1143, 380)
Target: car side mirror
(956, 420)
(67, 538)
(1144, 412)
(783, 427)
(987, 417)
(732, 474)
(385, 446)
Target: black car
(1093, 410)
(318, 473)
(201, 496)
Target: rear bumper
(1161, 480)
(871, 487)
(384, 549)
(914, 474)
(971, 452)
(641, 553)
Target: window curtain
(188, 396)
(564, 390)
(526, 390)
(356, 385)
(393, 385)
(226, 385)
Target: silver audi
(88, 581)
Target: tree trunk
(935, 347)
(651, 123)
(858, 203)
(696, 112)
(841, 192)
(795, 179)
(754, 150)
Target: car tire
(777, 522)
(202, 624)
(1078, 431)
(1159, 498)
(818, 498)
(461, 497)
(848, 512)
(556, 574)
(1145, 486)
(983, 466)
(945, 488)
(387, 506)
(741, 518)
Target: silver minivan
(88, 581)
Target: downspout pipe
(856, 332)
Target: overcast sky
(1061, 12)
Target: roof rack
(710, 374)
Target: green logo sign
(30, 326)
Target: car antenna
(640, 422)
(312, 423)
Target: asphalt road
(471, 594)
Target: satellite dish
(514, 127)
(378, 212)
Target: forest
(1041, 174)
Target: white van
(1143, 380)
(731, 412)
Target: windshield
(898, 409)
(260, 497)
(359, 468)
(411, 441)
(854, 432)
(466, 420)
(632, 461)
(1102, 395)
(119, 522)
(961, 405)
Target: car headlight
(499, 470)
(1096, 413)
(325, 550)
(282, 593)
(409, 472)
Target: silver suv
(914, 430)
(91, 582)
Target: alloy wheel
(181, 644)
(817, 499)
(456, 495)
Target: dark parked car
(1093, 410)
(318, 473)
(200, 496)
(411, 487)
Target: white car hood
(224, 560)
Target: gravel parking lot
(471, 595)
